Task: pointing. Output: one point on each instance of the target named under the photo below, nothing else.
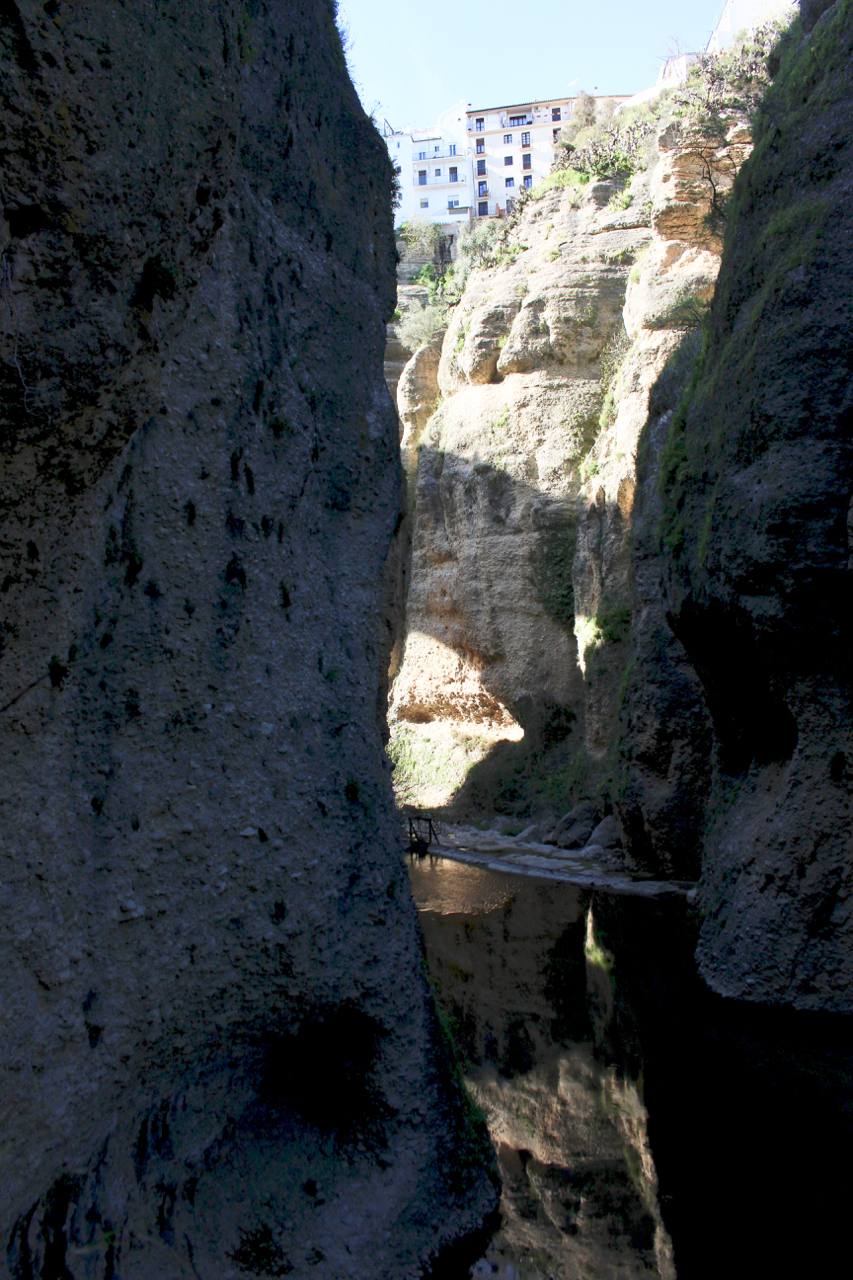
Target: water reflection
(644, 1124)
(528, 988)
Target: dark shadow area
(746, 702)
(325, 1075)
(750, 1107)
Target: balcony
(495, 210)
(516, 122)
(444, 181)
(428, 156)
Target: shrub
(731, 83)
(421, 237)
(418, 326)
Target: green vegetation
(498, 424)
(470, 1150)
(558, 180)
(422, 763)
(551, 571)
(419, 325)
(567, 785)
(733, 83)
(613, 358)
(421, 237)
(717, 89)
(610, 624)
(685, 312)
(594, 949)
(621, 200)
(782, 214)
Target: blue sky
(416, 59)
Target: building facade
(741, 15)
(434, 169)
(514, 147)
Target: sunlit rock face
(757, 473)
(491, 652)
(525, 596)
(216, 1044)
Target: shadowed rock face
(757, 477)
(216, 1044)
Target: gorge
(603, 609)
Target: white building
(514, 147)
(673, 72)
(741, 15)
(434, 169)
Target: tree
(583, 114)
(421, 237)
(418, 326)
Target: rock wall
(522, 588)
(757, 475)
(495, 472)
(217, 1049)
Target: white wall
(740, 15)
(435, 143)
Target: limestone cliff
(519, 612)
(496, 472)
(217, 1048)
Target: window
(556, 134)
(421, 177)
(525, 139)
(437, 147)
(527, 161)
(483, 209)
(453, 204)
(438, 173)
(509, 182)
(480, 125)
(483, 189)
(453, 148)
(528, 179)
(515, 122)
(481, 146)
(507, 139)
(507, 161)
(510, 205)
(454, 175)
(422, 155)
(481, 166)
(425, 204)
(555, 113)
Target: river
(643, 1125)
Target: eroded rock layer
(217, 1051)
